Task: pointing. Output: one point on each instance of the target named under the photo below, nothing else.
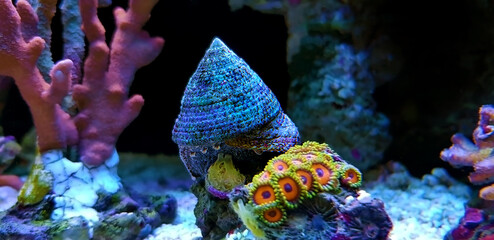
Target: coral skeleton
(73, 178)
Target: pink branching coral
(478, 154)
(11, 181)
(103, 108)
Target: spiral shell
(226, 101)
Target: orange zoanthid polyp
(323, 173)
(351, 176)
(264, 194)
(273, 215)
(280, 166)
(305, 177)
(289, 188)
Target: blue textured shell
(225, 99)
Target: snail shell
(226, 101)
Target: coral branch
(102, 97)
(29, 22)
(45, 10)
(484, 134)
(487, 192)
(18, 56)
(463, 152)
(479, 154)
(73, 37)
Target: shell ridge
(223, 99)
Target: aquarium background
(443, 51)
(428, 68)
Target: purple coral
(365, 220)
(473, 218)
(477, 154)
(217, 193)
(474, 225)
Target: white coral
(76, 186)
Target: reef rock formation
(309, 192)
(336, 58)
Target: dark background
(437, 41)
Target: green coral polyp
(262, 176)
(279, 165)
(309, 147)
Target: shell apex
(223, 99)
